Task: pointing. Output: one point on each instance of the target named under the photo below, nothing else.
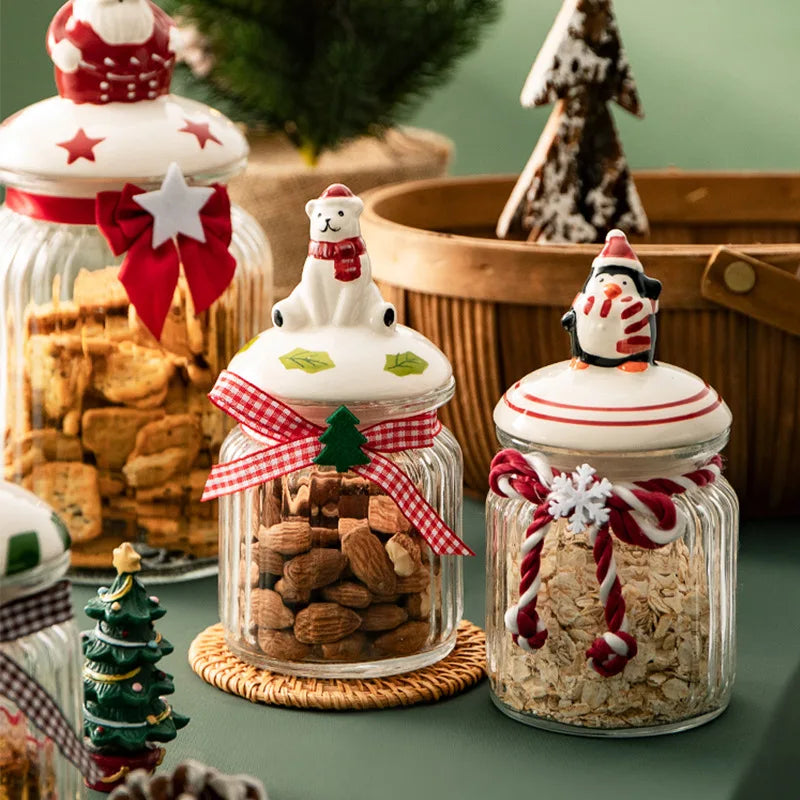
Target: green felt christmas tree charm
(342, 442)
(125, 712)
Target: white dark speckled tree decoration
(577, 185)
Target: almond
(321, 623)
(418, 582)
(324, 537)
(386, 517)
(269, 610)
(251, 572)
(348, 593)
(386, 598)
(351, 648)
(315, 569)
(290, 593)
(418, 605)
(289, 537)
(348, 524)
(270, 561)
(403, 641)
(282, 645)
(382, 617)
(369, 561)
(404, 553)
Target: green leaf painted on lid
(307, 360)
(247, 346)
(408, 363)
(23, 552)
(59, 525)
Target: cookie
(177, 430)
(110, 433)
(71, 488)
(143, 471)
(96, 553)
(49, 317)
(58, 378)
(131, 373)
(55, 446)
(110, 482)
(172, 490)
(99, 291)
(155, 400)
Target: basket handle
(753, 288)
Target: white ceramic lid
(31, 534)
(335, 340)
(613, 396)
(114, 121)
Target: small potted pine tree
(322, 88)
(125, 712)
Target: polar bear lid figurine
(334, 336)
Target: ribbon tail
(416, 509)
(38, 706)
(150, 277)
(209, 268)
(257, 468)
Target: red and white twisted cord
(640, 513)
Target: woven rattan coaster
(462, 669)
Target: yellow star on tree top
(126, 559)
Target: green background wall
(720, 80)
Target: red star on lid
(202, 130)
(80, 146)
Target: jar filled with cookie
(611, 530)
(341, 493)
(128, 282)
(42, 755)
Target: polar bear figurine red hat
(336, 287)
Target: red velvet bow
(151, 275)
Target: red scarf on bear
(346, 256)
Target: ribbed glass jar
(680, 602)
(92, 400)
(291, 598)
(31, 767)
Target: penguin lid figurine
(612, 322)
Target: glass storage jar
(38, 635)
(341, 493)
(611, 532)
(105, 414)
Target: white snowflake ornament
(580, 498)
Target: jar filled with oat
(341, 493)
(611, 531)
(128, 282)
(41, 742)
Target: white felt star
(175, 208)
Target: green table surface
(465, 748)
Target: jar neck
(372, 412)
(627, 466)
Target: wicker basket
(730, 314)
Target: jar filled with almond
(341, 493)
(611, 531)
(128, 282)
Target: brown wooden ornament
(577, 185)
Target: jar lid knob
(612, 322)
(112, 52)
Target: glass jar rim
(625, 464)
(90, 187)
(34, 580)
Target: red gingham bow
(298, 445)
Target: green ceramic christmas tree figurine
(125, 713)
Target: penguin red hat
(617, 253)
